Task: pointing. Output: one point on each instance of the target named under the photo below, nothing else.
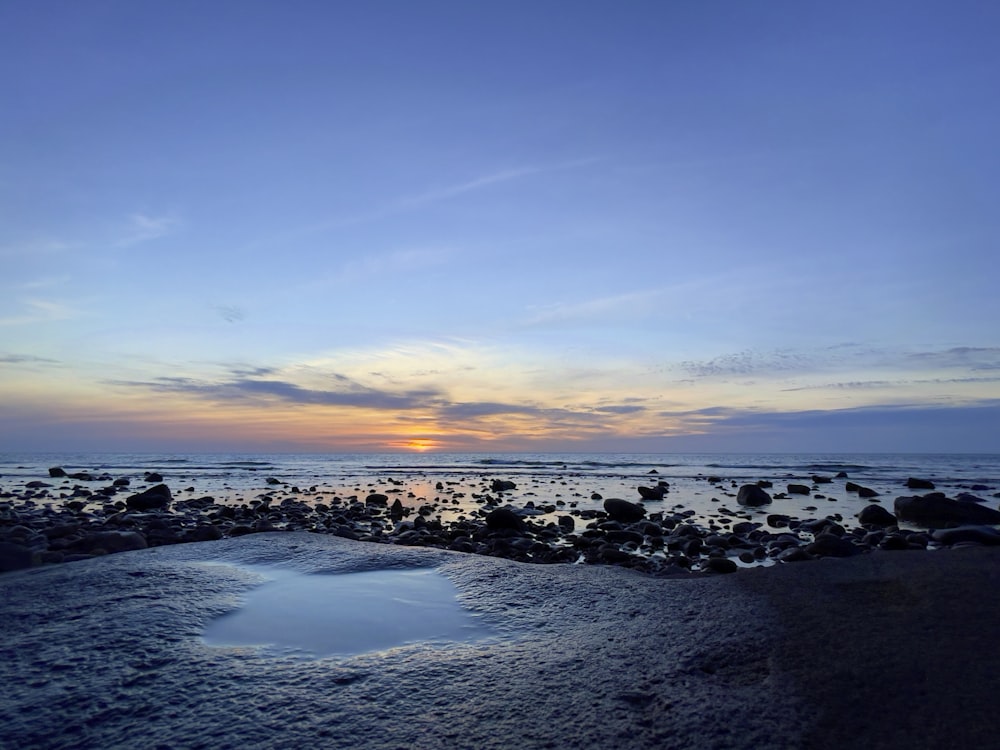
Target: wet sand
(888, 649)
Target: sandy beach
(886, 650)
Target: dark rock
(752, 495)
(82, 476)
(596, 496)
(155, 498)
(867, 492)
(876, 515)
(821, 479)
(937, 510)
(566, 523)
(154, 476)
(623, 510)
(504, 518)
(968, 497)
(15, 557)
(720, 565)
(654, 493)
(377, 498)
(831, 545)
(919, 484)
(502, 485)
(794, 554)
(396, 510)
(57, 471)
(206, 532)
(113, 541)
(798, 489)
(123, 482)
(986, 535)
(36, 484)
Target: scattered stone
(937, 510)
(831, 545)
(752, 495)
(377, 498)
(876, 515)
(504, 518)
(798, 489)
(919, 484)
(720, 565)
(623, 510)
(502, 485)
(154, 476)
(654, 493)
(157, 497)
(56, 472)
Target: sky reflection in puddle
(347, 614)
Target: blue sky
(499, 226)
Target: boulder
(157, 497)
(719, 565)
(876, 515)
(986, 535)
(866, 492)
(919, 484)
(57, 471)
(153, 476)
(15, 557)
(502, 485)
(831, 545)
(377, 498)
(752, 495)
(798, 489)
(113, 541)
(504, 518)
(623, 510)
(937, 510)
(654, 493)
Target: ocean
(568, 480)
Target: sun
(419, 445)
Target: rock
(36, 484)
(919, 484)
(206, 532)
(155, 498)
(654, 493)
(623, 510)
(596, 496)
(817, 479)
(57, 471)
(566, 523)
(876, 515)
(968, 497)
(15, 557)
(396, 511)
(752, 495)
(377, 498)
(719, 565)
(123, 482)
(82, 476)
(154, 476)
(831, 545)
(794, 554)
(504, 518)
(502, 485)
(937, 510)
(798, 489)
(986, 535)
(272, 480)
(113, 541)
(867, 492)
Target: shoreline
(61, 519)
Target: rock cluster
(37, 527)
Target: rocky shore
(886, 650)
(72, 517)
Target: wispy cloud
(40, 311)
(749, 362)
(144, 228)
(26, 359)
(628, 304)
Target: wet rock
(752, 495)
(654, 493)
(831, 545)
(504, 518)
(56, 472)
(154, 476)
(15, 557)
(867, 492)
(968, 497)
(623, 510)
(377, 498)
(914, 483)
(794, 554)
(155, 498)
(112, 541)
(719, 565)
(937, 510)
(502, 485)
(986, 535)
(798, 489)
(876, 515)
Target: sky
(502, 226)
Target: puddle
(347, 614)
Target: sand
(888, 649)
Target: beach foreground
(881, 650)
